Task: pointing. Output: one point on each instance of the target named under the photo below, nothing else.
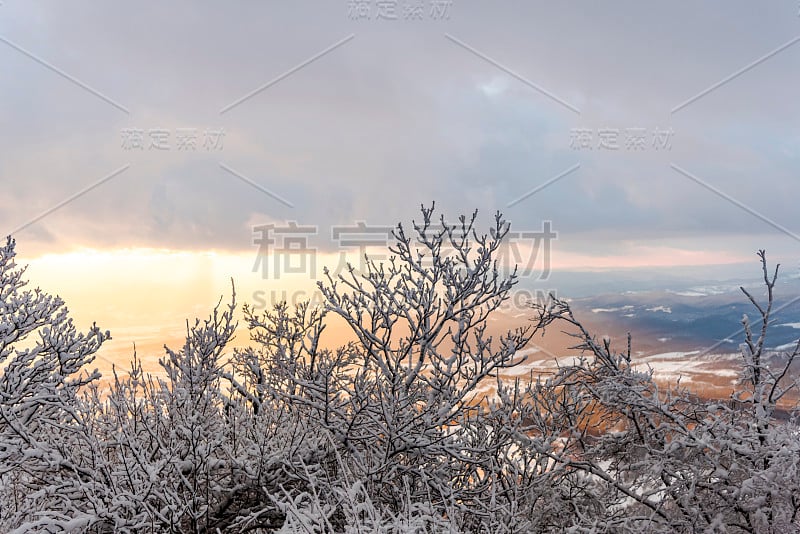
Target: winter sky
(649, 134)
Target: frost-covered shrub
(47, 451)
(406, 429)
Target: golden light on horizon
(145, 296)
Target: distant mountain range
(683, 328)
(679, 313)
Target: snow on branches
(408, 428)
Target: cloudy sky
(649, 134)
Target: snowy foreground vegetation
(390, 433)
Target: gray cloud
(398, 116)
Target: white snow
(671, 355)
(689, 293)
(607, 310)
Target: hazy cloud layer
(402, 113)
